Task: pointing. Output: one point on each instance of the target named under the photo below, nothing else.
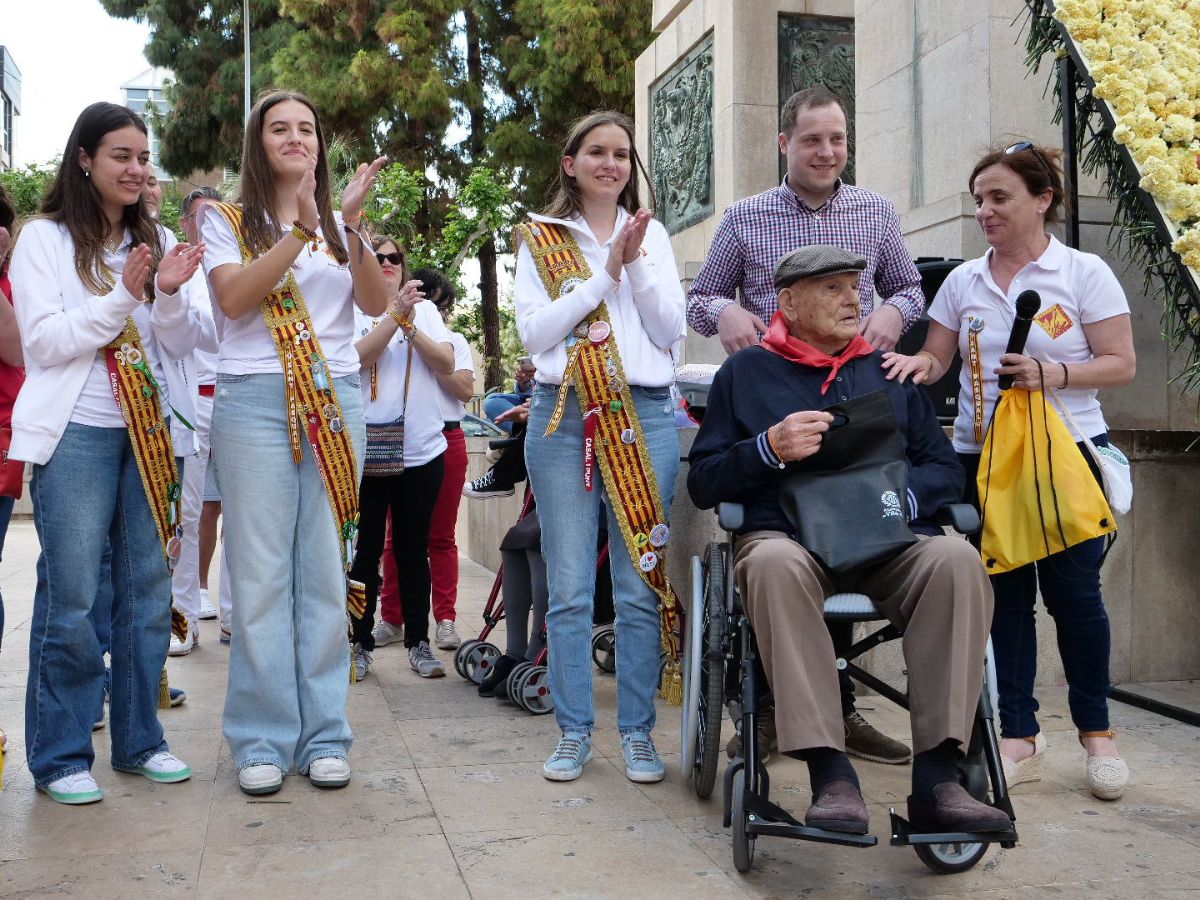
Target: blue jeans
(89, 495)
(1070, 586)
(570, 517)
(289, 661)
(497, 404)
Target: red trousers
(443, 551)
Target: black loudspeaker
(944, 393)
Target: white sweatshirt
(63, 325)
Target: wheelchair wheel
(510, 683)
(743, 843)
(949, 859)
(712, 675)
(533, 691)
(460, 656)
(478, 661)
(604, 649)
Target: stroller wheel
(460, 657)
(510, 684)
(533, 691)
(478, 661)
(949, 859)
(604, 649)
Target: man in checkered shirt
(812, 206)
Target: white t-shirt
(423, 439)
(246, 346)
(1076, 288)
(96, 405)
(452, 408)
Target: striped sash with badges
(613, 434)
(313, 410)
(138, 397)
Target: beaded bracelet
(771, 441)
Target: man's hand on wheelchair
(799, 435)
(516, 414)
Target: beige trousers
(935, 591)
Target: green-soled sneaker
(165, 768)
(73, 790)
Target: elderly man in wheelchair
(768, 413)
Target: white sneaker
(74, 790)
(207, 610)
(446, 637)
(386, 633)
(329, 772)
(165, 768)
(188, 644)
(262, 779)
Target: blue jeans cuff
(74, 770)
(141, 761)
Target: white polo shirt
(423, 439)
(1076, 288)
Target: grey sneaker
(446, 637)
(424, 663)
(642, 762)
(386, 633)
(362, 661)
(566, 763)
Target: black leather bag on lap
(847, 502)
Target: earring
(87, 173)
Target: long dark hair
(75, 202)
(8, 219)
(567, 199)
(257, 191)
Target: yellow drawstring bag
(1037, 495)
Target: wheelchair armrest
(504, 443)
(731, 516)
(962, 517)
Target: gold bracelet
(929, 356)
(771, 441)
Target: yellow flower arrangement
(1144, 56)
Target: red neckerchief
(781, 343)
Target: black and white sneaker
(485, 487)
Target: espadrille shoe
(1107, 776)
(1028, 769)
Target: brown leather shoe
(840, 807)
(768, 741)
(953, 809)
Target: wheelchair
(719, 671)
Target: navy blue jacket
(754, 389)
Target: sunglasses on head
(396, 258)
(1022, 146)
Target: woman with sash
(600, 308)
(287, 441)
(401, 353)
(98, 297)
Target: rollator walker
(720, 654)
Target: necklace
(113, 246)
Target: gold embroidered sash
(313, 410)
(975, 363)
(613, 432)
(138, 396)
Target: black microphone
(1028, 303)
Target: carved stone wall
(681, 139)
(818, 51)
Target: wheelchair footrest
(904, 834)
(765, 818)
(803, 833)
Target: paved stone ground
(448, 800)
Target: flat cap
(816, 261)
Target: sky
(70, 53)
